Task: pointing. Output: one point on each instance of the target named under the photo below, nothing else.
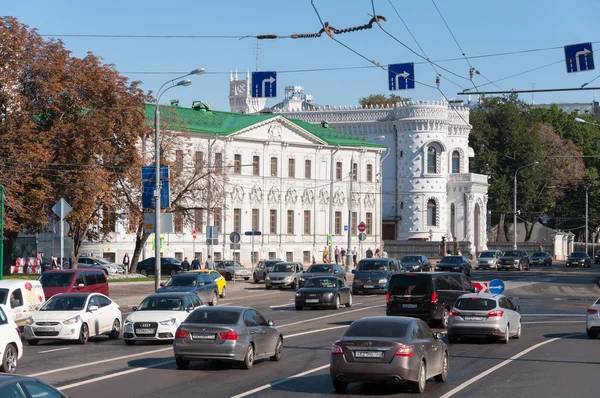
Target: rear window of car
(410, 284)
(536, 255)
(475, 304)
(377, 329)
(411, 259)
(213, 317)
(452, 260)
(56, 280)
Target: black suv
(168, 266)
(426, 295)
(263, 268)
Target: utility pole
(586, 220)
(1, 232)
(337, 148)
(349, 251)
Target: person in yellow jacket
(326, 255)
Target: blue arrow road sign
(496, 286)
(401, 76)
(148, 172)
(579, 57)
(264, 84)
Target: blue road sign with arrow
(264, 84)
(496, 286)
(579, 57)
(401, 76)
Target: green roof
(226, 123)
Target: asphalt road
(553, 358)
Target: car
(22, 298)
(541, 258)
(454, 264)
(74, 281)
(388, 350)
(597, 257)
(158, 316)
(284, 275)
(416, 263)
(100, 263)
(227, 333)
(372, 275)
(488, 259)
(323, 270)
(232, 269)
(579, 259)
(16, 386)
(203, 285)
(218, 278)
(426, 295)
(74, 316)
(485, 315)
(514, 259)
(592, 321)
(11, 347)
(323, 291)
(168, 266)
(263, 268)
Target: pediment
(279, 129)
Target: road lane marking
(502, 364)
(282, 305)
(552, 315)
(529, 323)
(280, 381)
(315, 331)
(54, 350)
(329, 316)
(123, 373)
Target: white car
(592, 322)
(74, 316)
(11, 347)
(159, 316)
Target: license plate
(312, 300)
(409, 306)
(368, 354)
(369, 286)
(473, 318)
(203, 336)
(44, 329)
(144, 331)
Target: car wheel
(506, 338)
(518, 335)
(227, 276)
(339, 386)
(215, 299)
(84, 334)
(445, 318)
(592, 335)
(9, 359)
(336, 304)
(33, 342)
(223, 292)
(173, 272)
(419, 385)
(349, 303)
(278, 350)
(182, 363)
(443, 377)
(255, 278)
(298, 307)
(249, 358)
(116, 330)
(268, 287)
(129, 342)
(293, 285)
(143, 272)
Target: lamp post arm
(159, 94)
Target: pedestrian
(384, 254)
(326, 254)
(541, 248)
(314, 260)
(369, 253)
(377, 253)
(210, 264)
(185, 264)
(195, 263)
(343, 255)
(337, 255)
(354, 256)
(126, 262)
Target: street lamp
(515, 204)
(580, 120)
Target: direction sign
(401, 76)
(362, 227)
(579, 57)
(496, 286)
(264, 84)
(234, 237)
(250, 233)
(362, 236)
(482, 287)
(194, 234)
(149, 187)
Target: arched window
(455, 162)
(431, 160)
(431, 212)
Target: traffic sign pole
(1, 232)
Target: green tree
(381, 99)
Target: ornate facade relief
(369, 199)
(339, 198)
(237, 194)
(323, 196)
(274, 195)
(308, 197)
(274, 132)
(355, 198)
(291, 197)
(256, 195)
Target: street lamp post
(515, 204)
(580, 120)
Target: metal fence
(398, 249)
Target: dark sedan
(541, 258)
(579, 259)
(168, 266)
(454, 264)
(416, 263)
(203, 285)
(14, 386)
(597, 257)
(514, 259)
(324, 291)
(388, 350)
(323, 270)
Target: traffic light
(329, 239)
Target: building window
(273, 222)
(217, 256)
(255, 220)
(431, 160)
(455, 162)
(217, 218)
(237, 164)
(306, 222)
(289, 256)
(198, 219)
(338, 222)
(354, 172)
(431, 212)
(338, 171)
(198, 255)
(273, 167)
(198, 160)
(237, 220)
(369, 223)
(179, 160)
(354, 226)
(369, 173)
(179, 256)
(253, 257)
(307, 169)
(178, 222)
(255, 165)
(108, 220)
(272, 255)
(306, 257)
(290, 222)
(218, 162)
(236, 256)
(292, 168)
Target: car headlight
(302, 279)
(328, 295)
(298, 294)
(288, 278)
(516, 261)
(30, 321)
(127, 322)
(168, 322)
(383, 281)
(267, 278)
(72, 321)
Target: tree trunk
(528, 230)
(78, 236)
(10, 237)
(140, 241)
(501, 227)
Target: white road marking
(315, 331)
(529, 323)
(502, 364)
(280, 381)
(56, 349)
(328, 316)
(123, 373)
(282, 305)
(552, 315)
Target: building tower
(240, 97)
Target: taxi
(218, 278)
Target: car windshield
(578, 255)
(597, 301)
(321, 282)
(372, 266)
(3, 295)
(475, 304)
(102, 261)
(320, 268)
(538, 254)
(64, 303)
(154, 303)
(411, 259)
(512, 253)
(410, 285)
(56, 280)
(283, 267)
(487, 255)
(183, 280)
(370, 329)
(217, 317)
(452, 260)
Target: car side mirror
(190, 308)
(438, 335)
(93, 308)
(354, 271)
(135, 308)
(270, 323)
(518, 308)
(162, 284)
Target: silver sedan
(236, 334)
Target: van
(74, 281)
(372, 275)
(21, 297)
(426, 295)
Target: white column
(469, 209)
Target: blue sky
(481, 27)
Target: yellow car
(219, 280)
